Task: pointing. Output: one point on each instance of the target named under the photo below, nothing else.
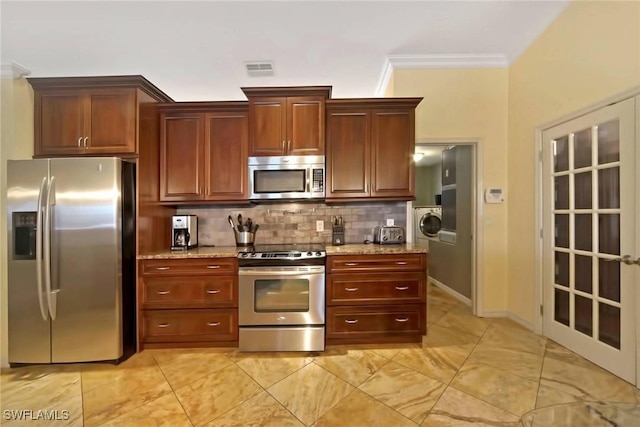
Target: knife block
(337, 235)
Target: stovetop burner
(291, 252)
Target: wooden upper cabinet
(89, 115)
(287, 121)
(181, 157)
(370, 144)
(227, 144)
(203, 152)
(392, 147)
(348, 154)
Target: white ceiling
(195, 51)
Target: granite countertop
(199, 252)
(373, 249)
(232, 251)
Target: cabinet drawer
(190, 325)
(383, 288)
(174, 292)
(367, 263)
(343, 322)
(193, 266)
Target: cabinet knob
(401, 262)
(84, 143)
(351, 322)
(213, 267)
(164, 292)
(402, 288)
(350, 289)
(162, 325)
(283, 145)
(213, 291)
(162, 268)
(80, 142)
(213, 323)
(350, 264)
(402, 319)
(289, 146)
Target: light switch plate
(319, 225)
(390, 221)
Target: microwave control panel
(318, 180)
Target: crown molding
(385, 77)
(448, 61)
(13, 70)
(397, 62)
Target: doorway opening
(447, 192)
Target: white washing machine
(427, 224)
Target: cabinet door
(267, 133)
(226, 136)
(392, 145)
(59, 122)
(181, 157)
(305, 126)
(110, 121)
(348, 155)
(449, 166)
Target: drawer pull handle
(402, 320)
(350, 264)
(213, 323)
(402, 288)
(164, 292)
(213, 291)
(351, 322)
(350, 289)
(162, 325)
(213, 267)
(162, 268)
(401, 262)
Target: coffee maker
(184, 232)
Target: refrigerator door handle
(39, 235)
(51, 295)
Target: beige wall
(590, 52)
(16, 142)
(463, 104)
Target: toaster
(388, 235)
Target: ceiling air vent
(259, 68)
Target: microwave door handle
(309, 175)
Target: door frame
(538, 297)
(477, 233)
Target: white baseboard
(450, 291)
(501, 313)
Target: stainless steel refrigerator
(71, 260)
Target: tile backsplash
(295, 222)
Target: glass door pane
(281, 295)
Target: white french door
(590, 219)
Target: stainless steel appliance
(388, 235)
(184, 232)
(71, 260)
(286, 177)
(282, 298)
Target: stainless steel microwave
(286, 177)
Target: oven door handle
(270, 272)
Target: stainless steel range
(282, 298)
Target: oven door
(281, 296)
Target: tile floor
(467, 371)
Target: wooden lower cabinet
(376, 298)
(188, 303)
(191, 325)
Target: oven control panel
(290, 255)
